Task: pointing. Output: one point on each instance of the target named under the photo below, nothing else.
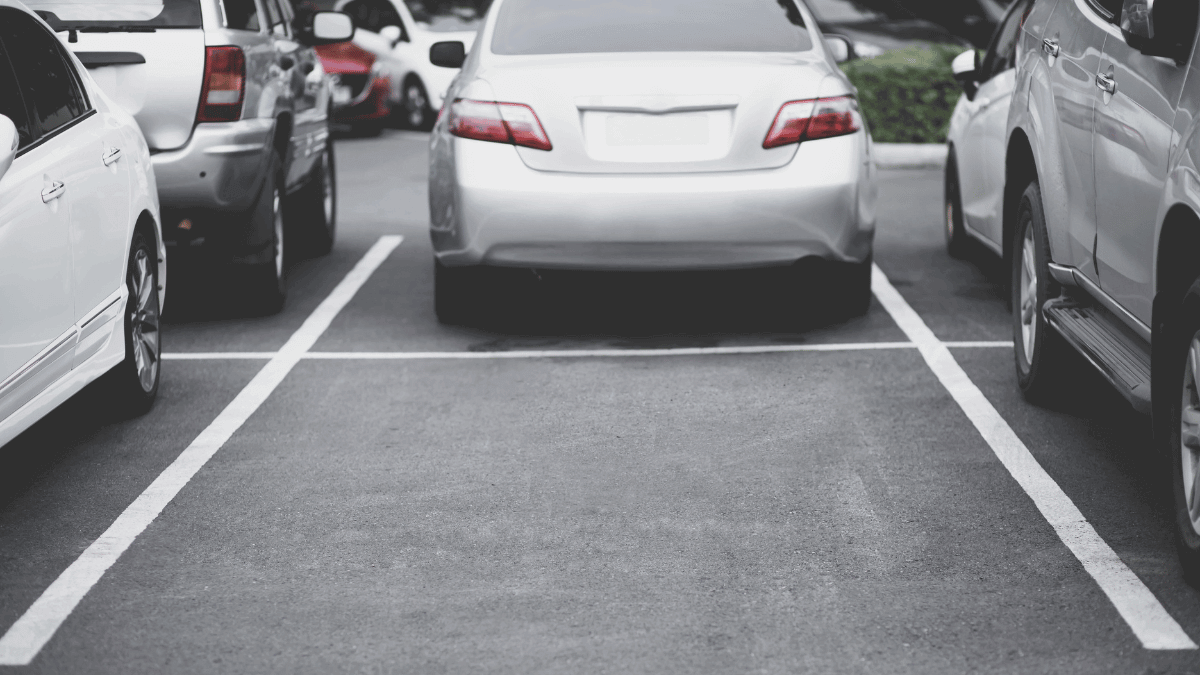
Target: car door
(1134, 137)
(1073, 42)
(983, 139)
(37, 333)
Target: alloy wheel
(278, 236)
(1189, 433)
(327, 186)
(415, 105)
(144, 320)
(1029, 282)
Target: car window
(241, 15)
(12, 103)
(1108, 9)
(373, 14)
(64, 14)
(1002, 52)
(586, 26)
(45, 77)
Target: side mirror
(839, 47)
(9, 140)
(448, 54)
(392, 34)
(323, 28)
(965, 68)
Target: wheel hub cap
(144, 321)
(1028, 308)
(1189, 432)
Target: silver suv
(1101, 221)
(233, 103)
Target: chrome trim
(87, 322)
(35, 365)
(240, 149)
(1111, 305)
(1063, 274)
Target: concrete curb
(910, 155)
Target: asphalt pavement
(717, 479)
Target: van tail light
(809, 120)
(513, 123)
(224, 85)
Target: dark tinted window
(49, 84)
(373, 14)
(241, 15)
(1002, 53)
(12, 103)
(590, 26)
(1111, 7)
(111, 13)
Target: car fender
(1033, 113)
(1182, 187)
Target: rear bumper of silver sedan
(489, 208)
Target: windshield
(596, 26)
(144, 14)
(444, 16)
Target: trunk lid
(659, 113)
(162, 93)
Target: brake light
(513, 123)
(811, 119)
(224, 85)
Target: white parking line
(1151, 623)
(584, 353)
(37, 625)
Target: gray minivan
(234, 105)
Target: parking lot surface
(711, 480)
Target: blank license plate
(631, 129)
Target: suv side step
(1120, 355)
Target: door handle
(111, 155)
(1050, 46)
(1106, 84)
(56, 190)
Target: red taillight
(224, 85)
(514, 123)
(812, 119)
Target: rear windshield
(119, 14)
(592, 26)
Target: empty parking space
(745, 498)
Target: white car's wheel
(417, 113)
(135, 380)
(1041, 353)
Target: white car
(614, 136)
(411, 30)
(81, 254)
(974, 194)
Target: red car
(364, 92)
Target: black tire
(415, 107)
(134, 381)
(853, 296)
(311, 213)
(454, 290)
(1041, 355)
(268, 280)
(957, 239)
(1182, 395)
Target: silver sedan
(649, 135)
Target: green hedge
(907, 95)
